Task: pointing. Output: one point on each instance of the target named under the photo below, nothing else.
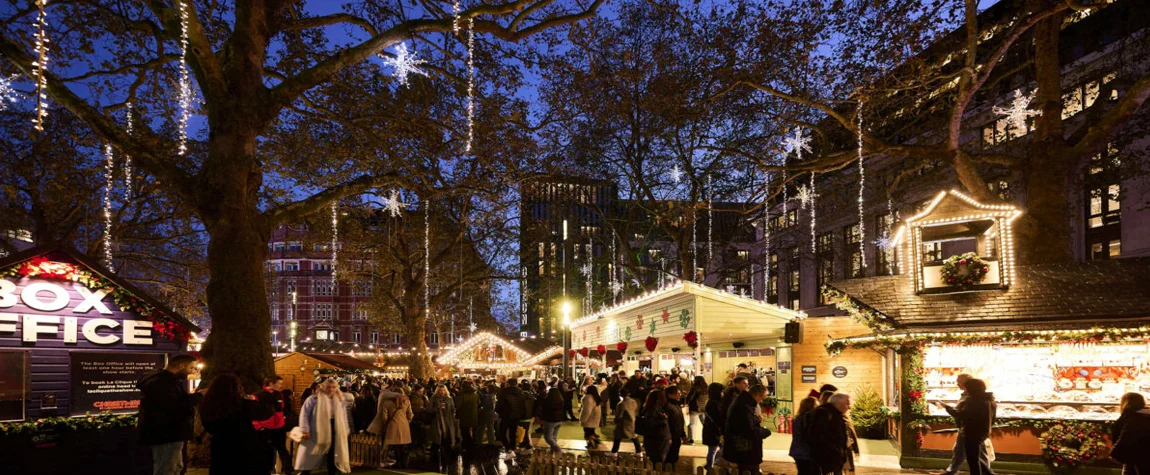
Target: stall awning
(484, 350)
(669, 314)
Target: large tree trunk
(421, 366)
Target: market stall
(74, 340)
(1058, 345)
(486, 352)
(697, 329)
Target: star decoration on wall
(1018, 111)
(405, 64)
(806, 197)
(393, 205)
(666, 316)
(797, 144)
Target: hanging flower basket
(964, 270)
(584, 352)
(651, 342)
(621, 346)
(602, 349)
(692, 339)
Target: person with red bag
(272, 431)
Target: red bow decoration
(572, 352)
(584, 351)
(692, 339)
(602, 349)
(652, 342)
(621, 346)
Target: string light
(862, 187)
(710, 226)
(814, 241)
(426, 259)
(470, 82)
(334, 249)
(40, 66)
(766, 233)
(1018, 111)
(128, 161)
(185, 78)
(455, 12)
(8, 94)
(108, 159)
(680, 286)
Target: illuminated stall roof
(484, 350)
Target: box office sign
(21, 313)
(104, 381)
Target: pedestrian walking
(229, 415)
(827, 434)
(396, 428)
(676, 423)
(1131, 435)
(697, 400)
(743, 433)
(467, 411)
(511, 407)
(655, 428)
(273, 430)
(551, 416)
(959, 451)
(325, 422)
(486, 435)
(589, 416)
(976, 417)
(615, 390)
(570, 392)
(529, 398)
(166, 413)
(800, 448)
(713, 422)
(419, 421)
(626, 412)
(364, 410)
(443, 429)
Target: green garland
(43, 268)
(90, 422)
(861, 313)
(1067, 445)
(904, 342)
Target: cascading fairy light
(470, 82)
(862, 185)
(455, 8)
(814, 241)
(108, 164)
(40, 66)
(710, 225)
(766, 233)
(8, 94)
(426, 259)
(128, 161)
(185, 78)
(334, 245)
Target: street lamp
(566, 342)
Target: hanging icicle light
(766, 233)
(8, 94)
(40, 66)
(470, 82)
(128, 160)
(811, 198)
(710, 225)
(426, 259)
(862, 186)
(334, 245)
(455, 8)
(185, 78)
(108, 164)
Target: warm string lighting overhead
(334, 247)
(470, 82)
(862, 186)
(185, 77)
(455, 8)
(40, 66)
(108, 164)
(128, 159)
(8, 94)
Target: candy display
(1082, 381)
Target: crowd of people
(438, 419)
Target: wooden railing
(364, 450)
(547, 463)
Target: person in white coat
(325, 422)
(589, 416)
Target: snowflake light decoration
(616, 287)
(806, 197)
(1018, 111)
(586, 269)
(730, 289)
(472, 327)
(797, 144)
(405, 64)
(883, 242)
(8, 95)
(676, 174)
(393, 205)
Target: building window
(359, 314)
(355, 337)
(931, 252)
(824, 248)
(291, 266)
(773, 280)
(853, 238)
(275, 312)
(321, 266)
(1104, 206)
(882, 224)
(396, 339)
(362, 288)
(322, 311)
(785, 220)
(793, 268)
(322, 288)
(278, 246)
(373, 338)
(295, 246)
(433, 338)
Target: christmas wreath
(964, 270)
(1068, 446)
(651, 342)
(692, 339)
(621, 346)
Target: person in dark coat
(744, 433)
(272, 431)
(570, 392)
(166, 413)
(511, 407)
(656, 429)
(365, 407)
(712, 422)
(227, 413)
(614, 391)
(827, 434)
(1131, 435)
(467, 411)
(738, 386)
(976, 417)
(800, 448)
(550, 412)
(959, 451)
(676, 423)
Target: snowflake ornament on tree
(393, 205)
(8, 95)
(616, 287)
(806, 197)
(405, 64)
(797, 144)
(883, 242)
(472, 327)
(676, 174)
(1018, 111)
(586, 269)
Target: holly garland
(41, 267)
(907, 342)
(89, 422)
(1067, 446)
(861, 313)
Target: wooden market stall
(697, 329)
(1057, 344)
(301, 368)
(486, 352)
